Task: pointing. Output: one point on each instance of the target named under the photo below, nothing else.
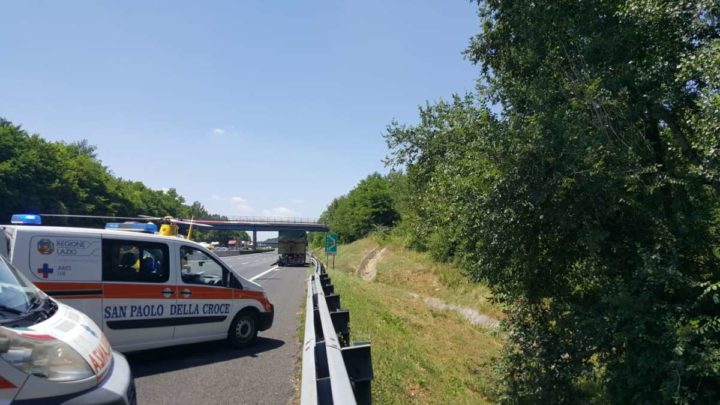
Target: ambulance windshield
(17, 294)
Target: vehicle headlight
(47, 358)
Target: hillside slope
(422, 353)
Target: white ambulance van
(53, 354)
(145, 290)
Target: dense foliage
(367, 207)
(589, 205)
(38, 176)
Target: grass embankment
(421, 355)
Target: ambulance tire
(243, 330)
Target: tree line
(370, 206)
(39, 176)
(580, 182)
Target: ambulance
(145, 290)
(51, 353)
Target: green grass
(418, 273)
(420, 355)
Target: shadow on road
(158, 361)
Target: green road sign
(331, 243)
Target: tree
(444, 162)
(37, 176)
(366, 207)
(590, 204)
(41, 176)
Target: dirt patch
(368, 266)
(470, 314)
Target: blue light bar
(132, 226)
(26, 219)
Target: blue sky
(250, 107)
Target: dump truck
(292, 248)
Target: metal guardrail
(333, 370)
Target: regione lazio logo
(45, 247)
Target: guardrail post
(328, 288)
(358, 361)
(333, 301)
(341, 322)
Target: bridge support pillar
(255, 245)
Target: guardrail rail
(334, 371)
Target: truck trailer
(292, 248)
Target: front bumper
(266, 318)
(117, 389)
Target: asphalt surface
(213, 372)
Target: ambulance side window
(199, 268)
(133, 261)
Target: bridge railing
(333, 370)
(268, 220)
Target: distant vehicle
(52, 353)
(292, 248)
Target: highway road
(214, 373)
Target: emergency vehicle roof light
(132, 226)
(26, 219)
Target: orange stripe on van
(149, 291)
(136, 290)
(253, 295)
(64, 290)
(257, 295)
(205, 293)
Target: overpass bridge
(255, 224)
(224, 223)
(264, 224)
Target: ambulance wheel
(243, 330)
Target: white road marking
(244, 262)
(264, 273)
